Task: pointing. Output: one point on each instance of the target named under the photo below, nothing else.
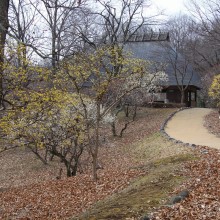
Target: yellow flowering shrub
(214, 90)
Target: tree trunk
(4, 5)
(95, 152)
(54, 37)
(71, 170)
(182, 96)
(74, 169)
(68, 171)
(68, 167)
(219, 112)
(126, 111)
(113, 129)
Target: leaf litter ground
(29, 190)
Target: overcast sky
(171, 7)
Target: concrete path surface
(187, 126)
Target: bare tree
(179, 55)
(23, 25)
(54, 15)
(117, 23)
(207, 45)
(207, 15)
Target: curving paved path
(187, 126)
